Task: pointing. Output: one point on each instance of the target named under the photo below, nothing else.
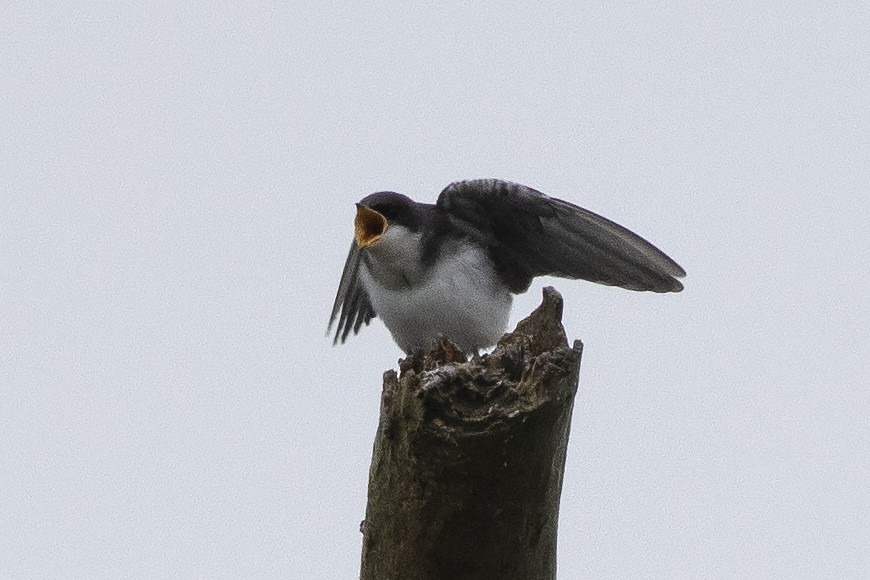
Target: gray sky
(176, 196)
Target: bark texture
(469, 456)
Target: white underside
(459, 298)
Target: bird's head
(378, 212)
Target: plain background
(176, 195)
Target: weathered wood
(469, 457)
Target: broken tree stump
(469, 456)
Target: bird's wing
(352, 306)
(530, 234)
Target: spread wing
(352, 306)
(530, 234)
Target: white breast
(459, 298)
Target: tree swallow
(450, 268)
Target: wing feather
(352, 306)
(530, 234)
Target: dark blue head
(398, 209)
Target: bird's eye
(385, 211)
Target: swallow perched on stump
(450, 268)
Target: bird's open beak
(368, 226)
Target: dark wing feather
(530, 234)
(352, 306)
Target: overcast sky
(176, 200)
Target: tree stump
(469, 456)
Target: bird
(450, 269)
